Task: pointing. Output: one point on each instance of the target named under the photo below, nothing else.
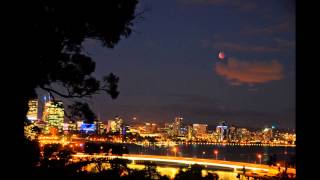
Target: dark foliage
(47, 51)
(194, 172)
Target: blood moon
(221, 55)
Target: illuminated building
(221, 130)
(168, 129)
(88, 127)
(78, 125)
(231, 133)
(177, 126)
(190, 133)
(53, 115)
(184, 131)
(111, 127)
(200, 129)
(29, 130)
(70, 127)
(119, 124)
(150, 127)
(32, 114)
(101, 129)
(267, 134)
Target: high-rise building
(190, 133)
(119, 124)
(101, 128)
(53, 115)
(150, 127)
(168, 128)
(111, 127)
(199, 129)
(177, 126)
(232, 133)
(221, 130)
(32, 114)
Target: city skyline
(170, 67)
(39, 109)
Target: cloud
(239, 72)
(245, 47)
(278, 45)
(282, 27)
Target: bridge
(236, 166)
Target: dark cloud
(238, 72)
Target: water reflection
(226, 152)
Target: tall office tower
(231, 133)
(111, 127)
(200, 129)
(190, 133)
(32, 114)
(119, 124)
(221, 130)
(53, 115)
(177, 126)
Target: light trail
(188, 161)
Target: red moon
(221, 55)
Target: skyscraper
(190, 133)
(119, 124)
(53, 115)
(177, 126)
(200, 129)
(32, 114)
(221, 130)
(111, 127)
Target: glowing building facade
(222, 131)
(177, 126)
(53, 115)
(32, 114)
(200, 129)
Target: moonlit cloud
(245, 47)
(241, 72)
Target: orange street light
(175, 151)
(216, 153)
(259, 156)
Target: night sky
(169, 66)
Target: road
(260, 169)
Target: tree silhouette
(48, 53)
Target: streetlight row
(215, 152)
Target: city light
(175, 151)
(216, 154)
(259, 156)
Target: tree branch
(50, 90)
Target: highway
(236, 166)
